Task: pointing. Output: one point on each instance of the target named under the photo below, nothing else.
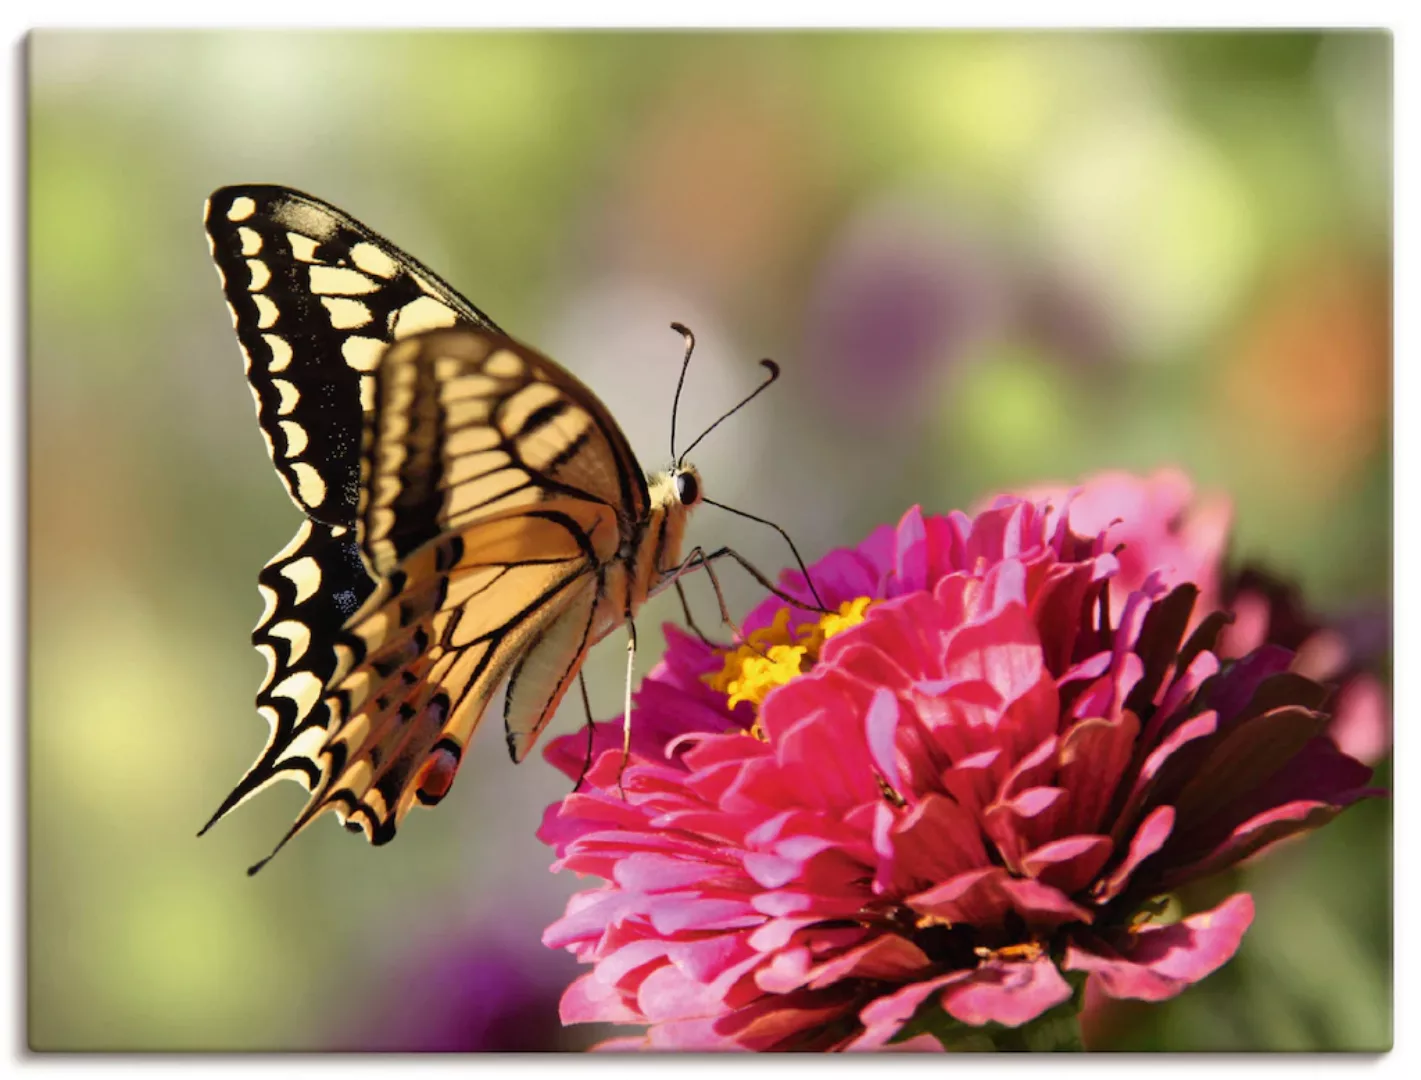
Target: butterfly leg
(697, 558)
(750, 568)
(627, 714)
(591, 728)
(691, 620)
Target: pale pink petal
(587, 1000)
(1006, 992)
(1362, 728)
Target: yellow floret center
(775, 654)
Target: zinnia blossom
(971, 779)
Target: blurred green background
(982, 260)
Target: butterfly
(473, 514)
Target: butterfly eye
(688, 488)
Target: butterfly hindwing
(544, 673)
(315, 299)
(310, 588)
(419, 662)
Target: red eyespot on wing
(436, 775)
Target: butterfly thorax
(652, 550)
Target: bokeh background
(982, 260)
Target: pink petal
(918, 1044)
(694, 1035)
(787, 970)
(1163, 960)
(884, 1017)
(1148, 839)
(704, 959)
(880, 728)
(886, 958)
(910, 562)
(1362, 724)
(775, 1021)
(668, 994)
(775, 933)
(645, 871)
(1006, 992)
(931, 842)
(1094, 756)
(613, 966)
(673, 912)
(1023, 822)
(588, 914)
(589, 1001)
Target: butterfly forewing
(315, 298)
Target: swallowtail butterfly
(473, 514)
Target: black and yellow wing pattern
(465, 497)
(315, 298)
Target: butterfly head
(677, 490)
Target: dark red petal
(983, 898)
(1242, 757)
(1068, 864)
(1255, 834)
(931, 842)
(1094, 755)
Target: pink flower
(970, 781)
(1157, 524)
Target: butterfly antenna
(765, 521)
(774, 370)
(685, 332)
